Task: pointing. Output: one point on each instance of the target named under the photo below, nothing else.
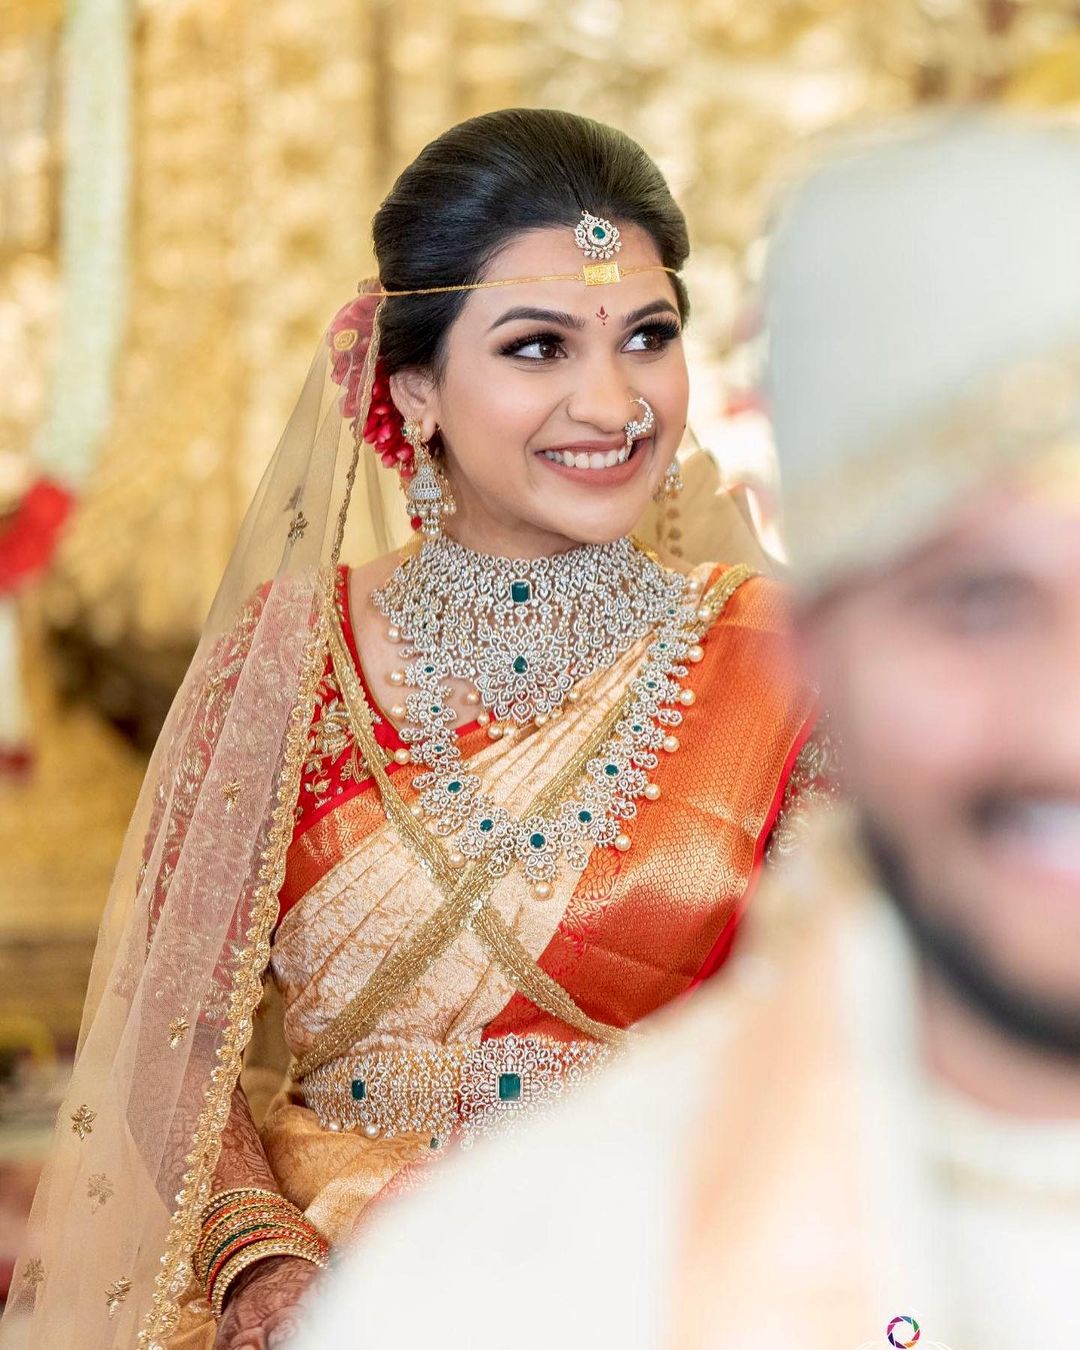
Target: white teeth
(1052, 827)
(603, 459)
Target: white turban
(922, 304)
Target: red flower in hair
(349, 338)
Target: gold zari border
(184, 1224)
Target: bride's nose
(602, 400)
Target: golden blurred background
(185, 195)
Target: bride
(469, 808)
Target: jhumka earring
(428, 496)
(671, 484)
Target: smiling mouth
(594, 461)
(1044, 829)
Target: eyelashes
(658, 334)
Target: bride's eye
(535, 347)
(653, 337)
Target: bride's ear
(413, 393)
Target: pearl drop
(573, 696)
(456, 859)
(652, 791)
(483, 718)
(370, 1131)
(542, 889)
(417, 810)
(397, 677)
(671, 744)
(472, 698)
(556, 712)
(394, 634)
(622, 842)
(703, 613)
(334, 1125)
(695, 654)
(687, 697)
(693, 585)
(541, 719)
(397, 710)
(495, 731)
(402, 756)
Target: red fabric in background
(30, 534)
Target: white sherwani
(770, 1167)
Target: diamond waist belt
(469, 1089)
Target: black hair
(468, 193)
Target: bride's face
(538, 383)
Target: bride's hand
(261, 1310)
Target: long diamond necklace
(524, 633)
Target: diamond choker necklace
(523, 631)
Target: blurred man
(871, 1135)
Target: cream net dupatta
(185, 937)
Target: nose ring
(637, 428)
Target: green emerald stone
(520, 666)
(537, 841)
(611, 770)
(487, 825)
(520, 591)
(454, 785)
(429, 670)
(359, 1089)
(509, 1087)
(585, 817)
(598, 231)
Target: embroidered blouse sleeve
(814, 784)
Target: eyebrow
(564, 320)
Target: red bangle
(263, 1235)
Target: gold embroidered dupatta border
(244, 999)
(467, 890)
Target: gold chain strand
(404, 967)
(591, 274)
(439, 931)
(534, 982)
(400, 971)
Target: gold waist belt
(466, 1089)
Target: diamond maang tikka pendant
(597, 238)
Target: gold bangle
(215, 1239)
(315, 1253)
(256, 1238)
(310, 1251)
(235, 1192)
(221, 1223)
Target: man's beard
(956, 955)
